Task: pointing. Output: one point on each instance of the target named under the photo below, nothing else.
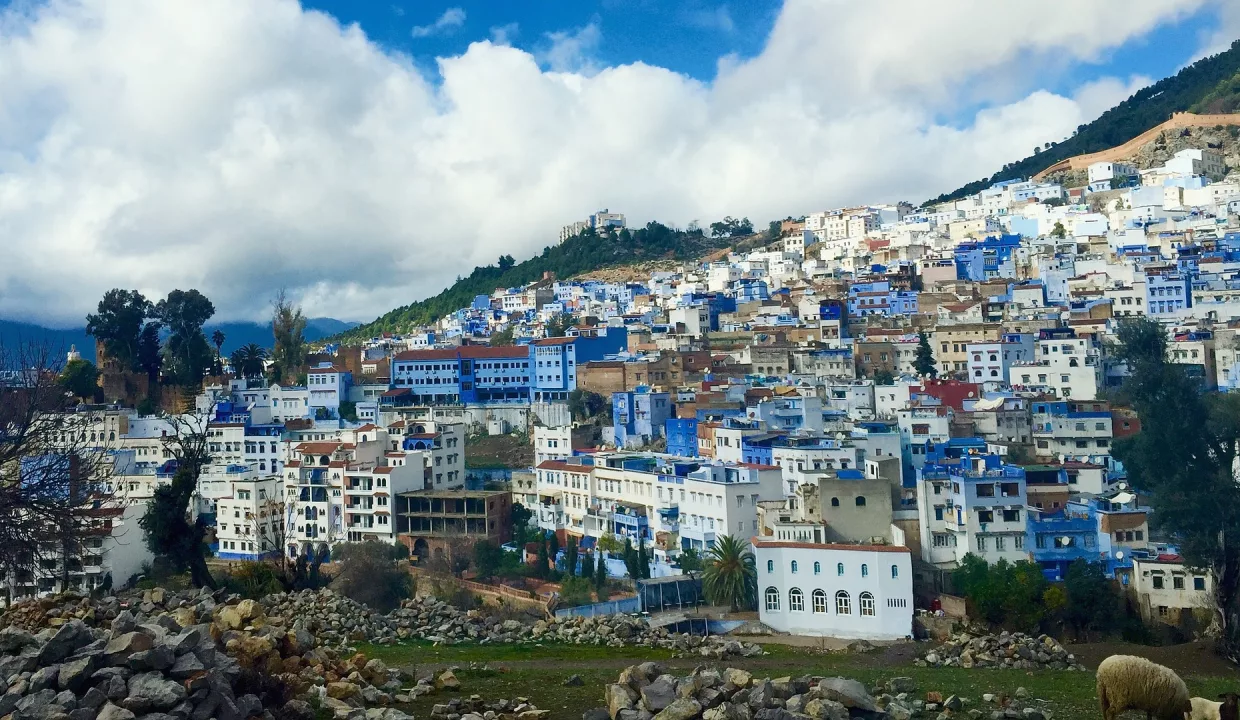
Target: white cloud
(505, 34)
(572, 50)
(240, 146)
(446, 24)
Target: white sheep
(1128, 682)
(1203, 709)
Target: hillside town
(866, 397)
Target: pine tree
(924, 362)
(570, 559)
(543, 559)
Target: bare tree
(54, 465)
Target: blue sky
(688, 37)
(691, 36)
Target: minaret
(74, 354)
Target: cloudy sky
(364, 158)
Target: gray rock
(185, 666)
(849, 693)
(162, 693)
(159, 657)
(114, 712)
(64, 641)
(75, 675)
(659, 694)
(680, 709)
(120, 647)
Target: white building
(1166, 589)
(844, 591)
(990, 362)
(248, 519)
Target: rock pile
(430, 619)
(475, 708)
(324, 618)
(648, 692)
(332, 619)
(1005, 650)
(156, 671)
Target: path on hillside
(1179, 121)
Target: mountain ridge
(236, 334)
(1210, 85)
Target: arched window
(867, 604)
(843, 604)
(794, 566)
(839, 568)
(865, 570)
(772, 600)
(860, 501)
(796, 601)
(835, 502)
(770, 566)
(895, 571)
(817, 568)
(820, 601)
(112, 435)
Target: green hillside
(579, 254)
(1210, 85)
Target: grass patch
(538, 673)
(425, 653)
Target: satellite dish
(1062, 458)
(1065, 540)
(1119, 554)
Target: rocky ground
(649, 691)
(1005, 650)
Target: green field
(538, 673)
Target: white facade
(845, 591)
(1165, 588)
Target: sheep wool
(1204, 709)
(1128, 682)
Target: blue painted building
(682, 437)
(1167, 294)
(554, 361)
(639, 416)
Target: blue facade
(639, 416)
(1167, 294)
(682, 437)
(751, 289)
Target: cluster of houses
(779, 395)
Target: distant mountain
(1210, 85)
(576, 255)
(235, 334)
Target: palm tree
(248, 360)
(730, 574)
(217, 339)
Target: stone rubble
(475, 708)
(190, 655)
(649, 692)
(1005, 650)
(328, 619)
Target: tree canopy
(730, 574)
(1185, 457)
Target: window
(895, 571)
(843, 604)
(938, 513)
(860, 501)
(835, 502)
(1199, 583)
(772, 600)
(820, 602)
(794, 566)
(770, 566)
(796, 601)
(1177, 582)
(1157, 582)
(981, 543)
(865, 570)
(839, 568)
(867, 604)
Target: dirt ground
(1195, 658)
(495, 451)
